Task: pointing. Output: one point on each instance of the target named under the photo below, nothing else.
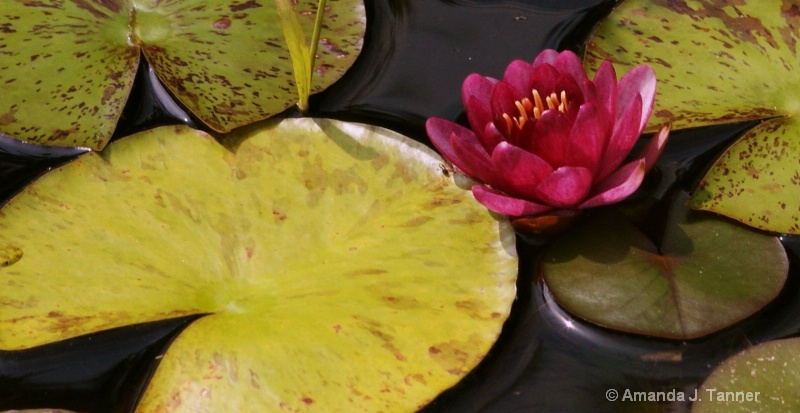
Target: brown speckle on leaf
(7, 118)
(222, 23)
(244, 6)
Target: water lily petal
(502, 103)
(518, 74)
(479, 87)
(617, 186)
(503, 204)
(525, 137)
(550, 138)
(589, 138)
(521, 170)
(626, 132)
(547, 56)
(440, 131)
(479, 115)
(476, 93)
(605, 82)
(652, 151)
(565, 187)
(569, 63)
(545, 79)
(476, 161)
(641, 80)
(491, 137)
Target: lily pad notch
(706, 275)
(332, 326)
(226, 61)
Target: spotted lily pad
(66, 68)
(704, 275)
(339, 268)
(719, 62)
(760, 379)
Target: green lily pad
(67, 67)
(721, 62)
(705, 275)
(757, 180)
(340, 269)
(760, 379)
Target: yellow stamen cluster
(526, 108)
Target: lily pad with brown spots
(67, 67)
(703, 275)
(338, 267)
(722, 61)
(762, 378)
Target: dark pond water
(416, 54)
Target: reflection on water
(416, 54)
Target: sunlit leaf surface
(757, 180)
(66, 68)
(720, 62)
(705, 274)
(760, 379)
(340, 269)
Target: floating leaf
(67, 67)
(706, 275)
(719, 62)
(760, 379)
(339, 267)
(757, 180)
(716, 62)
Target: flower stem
(315, 37)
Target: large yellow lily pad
(340, 268)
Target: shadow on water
(416, 54)
(103, 372)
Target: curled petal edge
(652, 151)
(640, 80)
(565, 187)
(503, 204)
(618, 186)
(443, 133)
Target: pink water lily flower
(547, 139)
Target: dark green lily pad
(760, 379)
(339, 268)
(720, 62)
(705, 275)
(66, 68)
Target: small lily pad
(338, 267)
(67, 67)
(760, 379)
(705, 275)
(722, 62)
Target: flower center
(526, 108)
